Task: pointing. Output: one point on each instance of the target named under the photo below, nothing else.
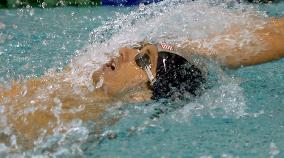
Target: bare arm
(242, 47)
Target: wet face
(121, 74)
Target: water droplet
(13, 140)
(2, 108)
(3, 148)
(273, 150)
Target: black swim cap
(175, 76)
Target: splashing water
(168, 21)
(212, 125)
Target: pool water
(240, 115)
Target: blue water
(35, 40)
(240, 116)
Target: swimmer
(43, 106)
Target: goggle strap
(148, 70)
(150, 75)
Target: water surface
(239, 116)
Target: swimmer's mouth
(100, 82)
(98, 78)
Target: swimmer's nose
(112, 64)
(124, 54)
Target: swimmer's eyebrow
(148, 52)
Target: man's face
(121, 74)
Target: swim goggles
(143, 61)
